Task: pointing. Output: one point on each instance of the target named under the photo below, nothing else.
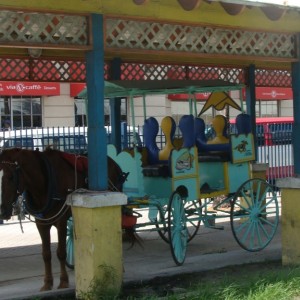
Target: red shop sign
(272, 93)
(76, 88)
(278, 93)
(8, 88)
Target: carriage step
(211, 223)
(219, 227)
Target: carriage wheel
(70, 244)
(254, 214)
(161, 225)
(193, 216)
(177, 229)
(193, 213)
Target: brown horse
(46, 178)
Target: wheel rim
(70, 245)
(161, 225)
(193, 219)
(254, 214)
(177, 228)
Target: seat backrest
(205, 148)
(168, 127)
(186, 125)
(151, 128)
(243, 124)
(219, 124)
(199, 127)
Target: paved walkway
(21, 266)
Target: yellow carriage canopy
(218, 100)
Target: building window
(80, 112)
(21, 112)
(80, 107)
(268, 108)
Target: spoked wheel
(254, 214)
(177, 229)
(193, 219)
(161, 225)
(70, 244)
(193, 213)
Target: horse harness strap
(52, 181)
(52, 193)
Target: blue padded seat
(151, 128)
(243, 124)
(186, 126)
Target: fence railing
(275, 150)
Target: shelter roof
(123, 88)
(273, 9)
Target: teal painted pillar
(251, 100)
(97, 148)
(296, 108)
(115, 107)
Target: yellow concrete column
(290, 220)
(97, 239)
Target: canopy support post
(115, 107)
(251, 100)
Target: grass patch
(261, 285)
(265, 281)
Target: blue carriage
(178, 185)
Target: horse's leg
(62, 253)
(44, 231)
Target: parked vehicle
(272, 131)
(280, 129)
(176, 186)
(69, 139)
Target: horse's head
(9, 184)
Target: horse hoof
(63, 285)
(46, 287)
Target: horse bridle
(15, 173)
(25, 195)
(17, 204)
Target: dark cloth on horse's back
(116, 177)
(79, 162)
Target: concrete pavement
(21, 265)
